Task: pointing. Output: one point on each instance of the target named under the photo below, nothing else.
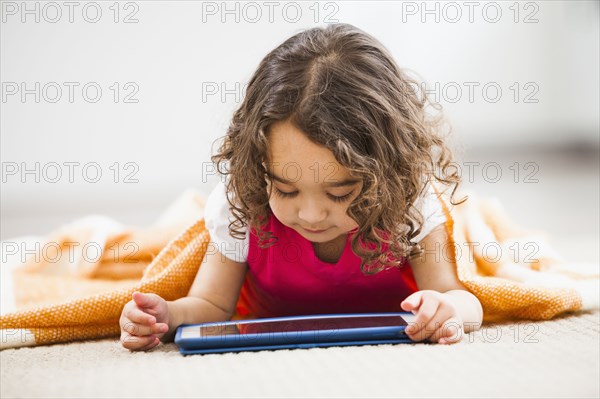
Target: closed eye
(334, 198)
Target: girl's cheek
(275, 206)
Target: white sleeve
(432, 211)
(217, 217)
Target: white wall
(177, 49)
(557, 56)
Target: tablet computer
(294, 332)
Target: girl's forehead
(293, 157)
(287, 143)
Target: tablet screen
(325, 323)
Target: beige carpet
(557, 358)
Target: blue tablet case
(300, 340)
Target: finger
(144, 300)
(128, 341)
(138, 315)
(132, 342)
(451, 332)
(436, 324)
(140, 330)
(412, 302)
(424, 315)
(152, 342)
(151, 345)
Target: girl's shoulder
(217, 217)
(431, 208)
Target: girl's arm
(443, 306)
(213, 295)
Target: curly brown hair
(342, 88)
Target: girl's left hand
(437, 318)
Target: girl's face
(311, 190)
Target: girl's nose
(312, 213)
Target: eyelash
(334, 198)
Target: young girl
(327, 205)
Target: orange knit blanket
(80, 297)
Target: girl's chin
(316, 237)
(321, 236)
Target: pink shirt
(288, 279)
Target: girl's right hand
(144, 321)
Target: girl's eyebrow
(343, 183)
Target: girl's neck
(330, 251)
